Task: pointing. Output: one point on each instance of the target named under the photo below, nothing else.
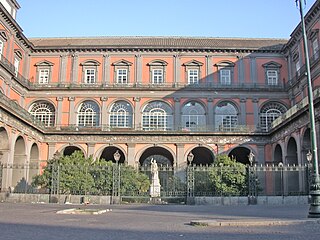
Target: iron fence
(128, 184)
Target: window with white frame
(1, 47)
(157, 116)
(88, 114)
(122, 76)
(272, 73)
(315, 48)
(90, 75)
(193, 76)
(225, 76)
(193, 116)
(157, 76)
(121, 115)
(16, 66)
(226, 116)
(43, 76)
(270, 112)
(44, 112)
(272, 77)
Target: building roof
(160, 42)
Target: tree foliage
(80, 175)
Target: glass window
(121, 115)
(315, 48)
(1, 47)
(16, 66)
(193, 116)
(157, 116)
(43, 76)
(88, 114)
(122, 76)
(43, 112)
(226, 116)
(225, 76)
(157, 76)
(90, 75)
(272, 77)
(269, 113)
(193, 76)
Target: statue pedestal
(155, 188)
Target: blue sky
(208, 18)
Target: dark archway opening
(202, 156)
(306, 145)
(108, 154)
(162, 156)
(292, 157)
(277, 154)
(70, 149)
(241, 154)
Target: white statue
(155, 183)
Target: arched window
(157, 116)
(269, 113)
(193, 116)
(121, 115)
(44, 112)
(226, 116)
(88, 114)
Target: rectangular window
(193, 76)
(225, 76)
(43, 76)
(90, 75)
(16, 66)
(1, 48)
(122, 76)
(272, 76)
(297, 66)
(315, 48)
(157, 76)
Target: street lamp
(314, 210)
(251, 156)
(116, 156)
(190, 158)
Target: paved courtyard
(40, 222)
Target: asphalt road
(152, 222)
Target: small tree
(228, 176)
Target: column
(209, 70)
(177, 114)
(243, 111)
(51, 150)
(210, 118)
(241, 70)
(106, 70)
(74, 70)
(26, 68)
(137, 114)
(63, 68)
(176, 70)
(253, 70)
(90, 149)
(181, 163)
(104, 113)
(255, 102)
(131, 161)
(138, 69)
(59, 113)
(72, 117)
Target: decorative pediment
(158, 62)
(225, 63)
(122, 62)
(18, 53)
(3, 35)
(193, 63)
(272, 64)
(44, 63)
(313, 34)
(90, 63)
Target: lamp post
(309, 158)
(190, 158)
(190, 180)
(116, 178)
(314, 210)
(252, 180)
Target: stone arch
(201, 156)
(161, 154)
(306, 145)
(68, 150)
(193, 115)
(4, 145)
(19, 182)
(88, 113)
(277, 154)
(292, 156)
(226, 114)
(241, 154)
(121, 114)
(34, 162)
(107, 153)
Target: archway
(277, 155)
(306, 145)
(19, 182)
(292, 157)
(240, 154)
(34, 162)
(71, 149)
(162, 156)
(108, 154)
(4, 145)
(202, 156)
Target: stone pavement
(155, 222)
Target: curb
(249, 222)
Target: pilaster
(106, 69)
(138, 69)
(72, 118)
(176, 69)
(63, 68)
(59, 112)
(255, 102)
(210, 114)
(137, 113)
(243, 111)
(104, 112)
(177, 113)
(90, 149)
(131, 155)
(75, 65)
(209, 69)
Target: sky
(191, 18)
